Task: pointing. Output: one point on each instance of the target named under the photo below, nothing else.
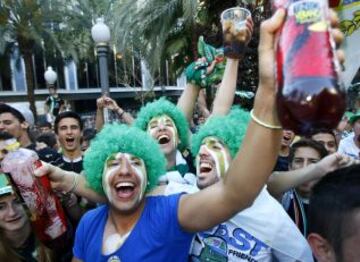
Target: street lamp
(100, 33)
(50, 76)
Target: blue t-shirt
(157, 236)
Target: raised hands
(106, 102)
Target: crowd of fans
(235, 188)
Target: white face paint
(115, 164)
(219, 154)
(163, 126)
(113, 243)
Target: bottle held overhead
(310, 92)
(45, 211)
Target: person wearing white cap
(19, 241)
(16, 120)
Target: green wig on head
(164, 107)
(230, 129)
(115, 138)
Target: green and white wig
(164, 107)
(115, 138)
(229, 129)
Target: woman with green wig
(166, 123)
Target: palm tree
(159, 29)
(28, 24)
(54, 25)
(146, 26)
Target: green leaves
(152, 27)
(349, 26)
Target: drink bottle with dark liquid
(310, 94)
(46, 214)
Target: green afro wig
(164, 107)
(115, 138)
(230, 129)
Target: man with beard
(262, 232)
(350, 145)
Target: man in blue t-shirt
(123, 164)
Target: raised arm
(106, 102)
(68, 182)
(225, 94)
(202, 105)
(280, 182)
(187, 100)
(245, 176)
(255, 160)
(99, 118)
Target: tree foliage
(54, 26)
(169, 29)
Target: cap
(21, 112)
(5, 185)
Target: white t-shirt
(348, 147)
(261, 233)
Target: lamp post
(100, 33)
(50, 79)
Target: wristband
(121, 114)
(263, 124)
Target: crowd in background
(213, 204)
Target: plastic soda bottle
(310, 93)
(46, 213)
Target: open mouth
(70, 140)
(286, 138)
(163, 139)
(125, 189)
(205, 167)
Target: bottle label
(307, 11)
